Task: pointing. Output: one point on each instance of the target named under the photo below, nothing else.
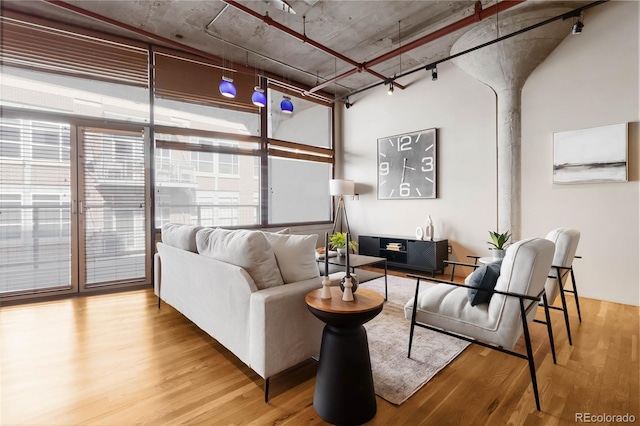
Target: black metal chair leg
(549, 328)
(575, 294)
(564, 308)
(266, 390)
(532, 367)
(159, 300)
(413, 318)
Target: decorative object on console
(407, 166)
(591, 155)
(326, 281)
(340, 188)
(499, 243)
(419, 233)
(429, 229)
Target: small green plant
(339, 240)
(499, 241)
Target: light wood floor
(117, 360)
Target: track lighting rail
(432, 66)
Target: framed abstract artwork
(594, 155)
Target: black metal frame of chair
(533, 303)
(561, 272)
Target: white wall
(589, 80)
(463, 111)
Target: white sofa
(246, 289)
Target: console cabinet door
(421, 255)
(427, 255)
(369, 246)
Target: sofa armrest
(212, 294)
(283, 332)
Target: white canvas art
(591, 155)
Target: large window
(206, 181)
(300, 161)
(213, 163)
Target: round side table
(344, 393)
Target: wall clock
(407, 166)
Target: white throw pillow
(295, 255)
(180, 236)
(282, 231)
(249, 250)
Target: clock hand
(404, 166)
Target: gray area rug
(396, 377)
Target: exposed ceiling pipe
(302, 37)
(239, 68)
(568, 15)
(479, 15)
(207, 31)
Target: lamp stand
(340, 211)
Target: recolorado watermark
(604, 418)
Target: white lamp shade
(341, 187)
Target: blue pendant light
(258, 98)
(227, 88)
(286, 105)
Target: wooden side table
(344, 393)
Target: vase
(497, 254)
(428, 230)
(354, 283)
(341, 251)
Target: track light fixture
(286, 105)
(434, 73)
(577, 26)
(347, 104)
(390, 91)
(227, 88)
(258, 98)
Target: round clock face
(407, 166)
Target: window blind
(179, 77)
(32, 44)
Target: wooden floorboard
(116, 359)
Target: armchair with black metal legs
(566, 241)
(499, 323)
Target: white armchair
(566, 241)
(499, 323)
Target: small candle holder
(326, 288)
(347, 295)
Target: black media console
(420, 255)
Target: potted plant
(339, 240)
(499, 243)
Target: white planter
(497, 254)
(342, 251)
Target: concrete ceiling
(360, 30)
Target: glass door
(36, 231)
(113, 208)
(73, 207)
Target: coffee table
(344, 393)
(358, 260)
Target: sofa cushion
(484, 277)
(295, 255)
(249, 250)
(180, 236)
